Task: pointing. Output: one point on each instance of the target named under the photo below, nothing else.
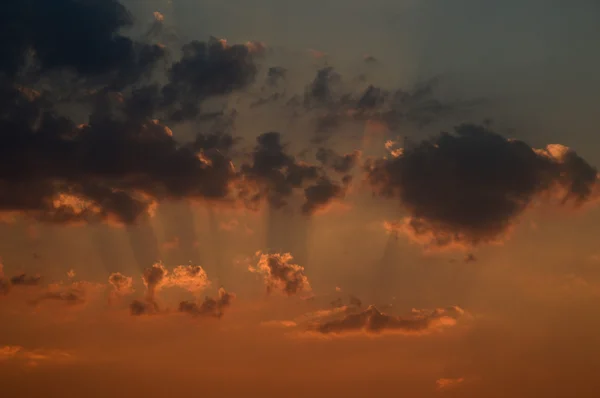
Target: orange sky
(356, 253)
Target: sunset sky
(334, 198)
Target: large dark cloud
(470, 186)
(122, 161)
(78, 35)
(111, 168)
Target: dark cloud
(275, 74)
(75, 293)
(25, 280)
(370, 60)
(373, 321)
(107, 170)
(470, 258)
(337, 303)
(273, 174)
(154, 277)
(334, 103)
(276, 175)
(123, 160)
(322, 193)
(82, 36)
(4, 287)
(210, 307)
(138, 308)
(469, 187)
(322, 90)
(355, 301)
(205, 70)
(340, 163)
(279, 273)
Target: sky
(320, 198)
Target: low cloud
(72, 294)
(279, 324)
(20, 280)
(34, 357)
(372, 321)
(210, 307)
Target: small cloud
(138, 307)
(446, 383)
(317, 54)
(171, 244)
(158, 17)
(470, 258)
(25, 280)
(230, 225)
(279, 324)
(279, 273)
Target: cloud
(340, 163)
(25, 280)
(34, 357)
(154, 278)
(279, 324)
(372, 321)
(20, 280)
(470, 258)
(123, 160)
(471, 186)
(275, 175)
(192, 278)
(210, 307)
(205, 70)
(445, 383)
(279, 273)
(324, 192)
(71, 294)
(138, 307)
(121, 285)
(61, 172)
(88, 40)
